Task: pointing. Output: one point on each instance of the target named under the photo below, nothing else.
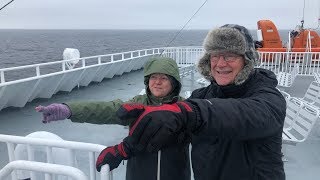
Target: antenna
(318, 16)
(304, 6)
(318, 20)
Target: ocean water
(23, 47)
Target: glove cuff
(121, 150)
(194, 121)
(69, 110)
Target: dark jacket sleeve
(259, 115)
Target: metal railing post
(2, 77)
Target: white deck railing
(308, 62)
(32, 144)
(45, 79)
(47, 168)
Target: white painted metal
(42, 167)
(259, 35)
(18, 92)
(72, 146)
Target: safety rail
(85, 62)
(183, 56)
(186, 70)
(42, 167)
(308, 62)
(45, 79)
(275, 61)
(50, 145)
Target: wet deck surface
(304, 159)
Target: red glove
(160, 126)
(112, 155)
(130, 112)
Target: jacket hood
(166, 66)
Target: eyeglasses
(159, 76)
(226, 57)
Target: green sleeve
(95, 112)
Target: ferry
(31, 150)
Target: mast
(302, 20)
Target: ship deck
(303, 159)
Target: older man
(236, 121)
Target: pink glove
(54, 112)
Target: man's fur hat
(229, 38)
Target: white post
(91, 166)
(63, 66)
(2, 77)
(38, 70)
(31, 158)
(49, 160)
(83, 62)
(106, 174)
(10, 147)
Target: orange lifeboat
(301, 40)
(269, 39)
(305, 40)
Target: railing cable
(6, 5)
(178, 33)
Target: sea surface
(23, 47)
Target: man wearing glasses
(236, 122)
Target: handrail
(96, 56)
(97, 60)
(44, 84)
(10, 140)
(53, 143)
(42, 167)
(84, 60)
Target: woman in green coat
(163, 85)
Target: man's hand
(112, 156)
(129, 111)
(160, 126)
(54, 112)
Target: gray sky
(152, 14)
